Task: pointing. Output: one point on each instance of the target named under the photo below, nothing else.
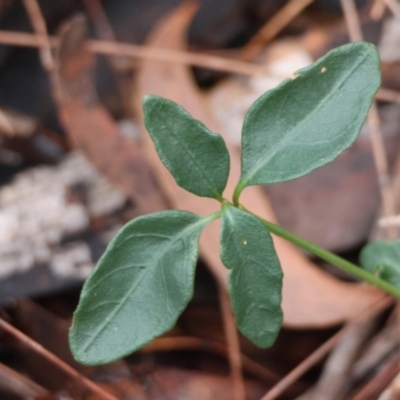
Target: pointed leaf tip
(139, 287)
(196, 157)
(308, 121)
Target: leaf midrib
(243, 253)
(287, 138)
(192, 158)
(101, 328)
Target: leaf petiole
(326, 255)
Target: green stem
(339, 262)
(236, 194)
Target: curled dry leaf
(89, 125)
(311, 297)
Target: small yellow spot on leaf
(323, 69)
(244, 242)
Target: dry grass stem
(27, 341)
(39, 26)
(334, 381)
(105, 32)
(352, 20)
(380, 380)
(193, 343)
(137, 51)
(273, 26)
(391, 96)
(378, 147)
(382, 169)
(18, 384)
(377, 10)
(394, 7)
(232, 339)
(323, 350)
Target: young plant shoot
(145, 279)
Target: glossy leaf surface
(255, 280)
(383, 258)
(308, 121)
(139, 287)
(197, 158)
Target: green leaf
(383, 258)
(139, 288)
(255, 280)
(197, 158)
(308, 121)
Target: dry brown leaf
(90, 126)
(311, 297)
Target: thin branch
(273, 26)
(27, 341)
(393, 220)
(176, 56)
(14, 382)
(304, 366)
(12, 38)
(382, 169)
(104, 30)
(164, 344)
(388, 95)
(322, 351)
(376, 384)
(377, 10)
(378, 146)
(39, 26)
(394, 7)
(352, 20)
(137, 51)
(232, 339)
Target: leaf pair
(145, 279)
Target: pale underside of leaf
(139, 287)
(255, 280)
(307, 122)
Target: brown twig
(334, 381)
(273, 26)
(378, 147)
(380, 381)
(193, 343)
(232, 339)
(104, 30)
(27, 341)
(377, 10)
(382, 169)
(389, 95)
(394, 7)
(303, 367)
(39, 26)
(120, 64)
(392, 392)
(352, 20)
(322, 351)
(15, 383)
(137, 51)
(102, 26)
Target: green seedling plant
(145, 279)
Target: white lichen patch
(72, 261)
(37, 212)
